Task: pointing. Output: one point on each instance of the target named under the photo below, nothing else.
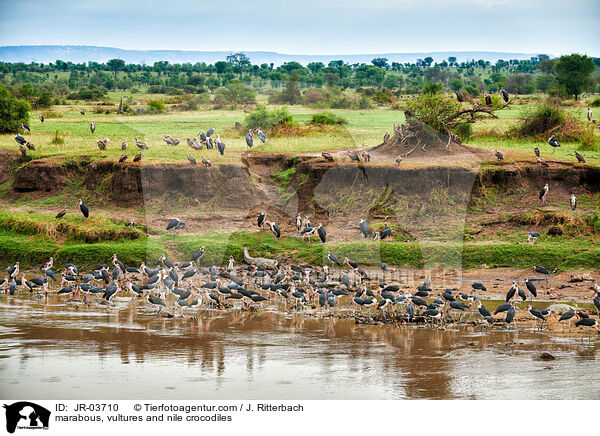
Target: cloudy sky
(308, 26)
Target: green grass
(71, 227)
(33, 249)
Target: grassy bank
(33, 250)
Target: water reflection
(59, 350)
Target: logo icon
(26, 415)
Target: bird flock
(173, 286)
(204, 141)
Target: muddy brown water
(62, 350)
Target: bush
(235, 93)
(433, 88)
(595, 102)
(328, 118)
(156, 105)
(465, 131)
(155, 89)
(546, 120)
(587, 140)
(312, 96)
(88, 93)
(539, 120)
(13, 111)
(431, 109)
(265, 119)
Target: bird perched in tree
(138, 157)
(504, 95)
(92, 125)
(261, 219)
(328, 157)
(123, 158)
(579, 157)
(553, 143)
(499, 155)
(85, 211)
(543, 193)
(573, 202)
(191, 159)
(249, 139)
(386, 136)
(322, 233)
(206, 162)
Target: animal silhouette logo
(26, 415)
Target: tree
(239, 61)
(428, 61)
(13, 111)
(380, 63)
(573, 72)
(291, 93)
(116, 65)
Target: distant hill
(82, 53)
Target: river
(64, 350)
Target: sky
(308, 26)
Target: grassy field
(364, 128)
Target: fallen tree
(436, 121)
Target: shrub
(465, 131)
(328, 118)
(472, 89)
(57, 139)
(539, 120)
(433, 88)
(587, 140)
(235, 93)
(595, 102)
(312, 96)
(156, 105)
(13, 111)
(155, 89)
(431, 109)
(265, 119)
(546, 120)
